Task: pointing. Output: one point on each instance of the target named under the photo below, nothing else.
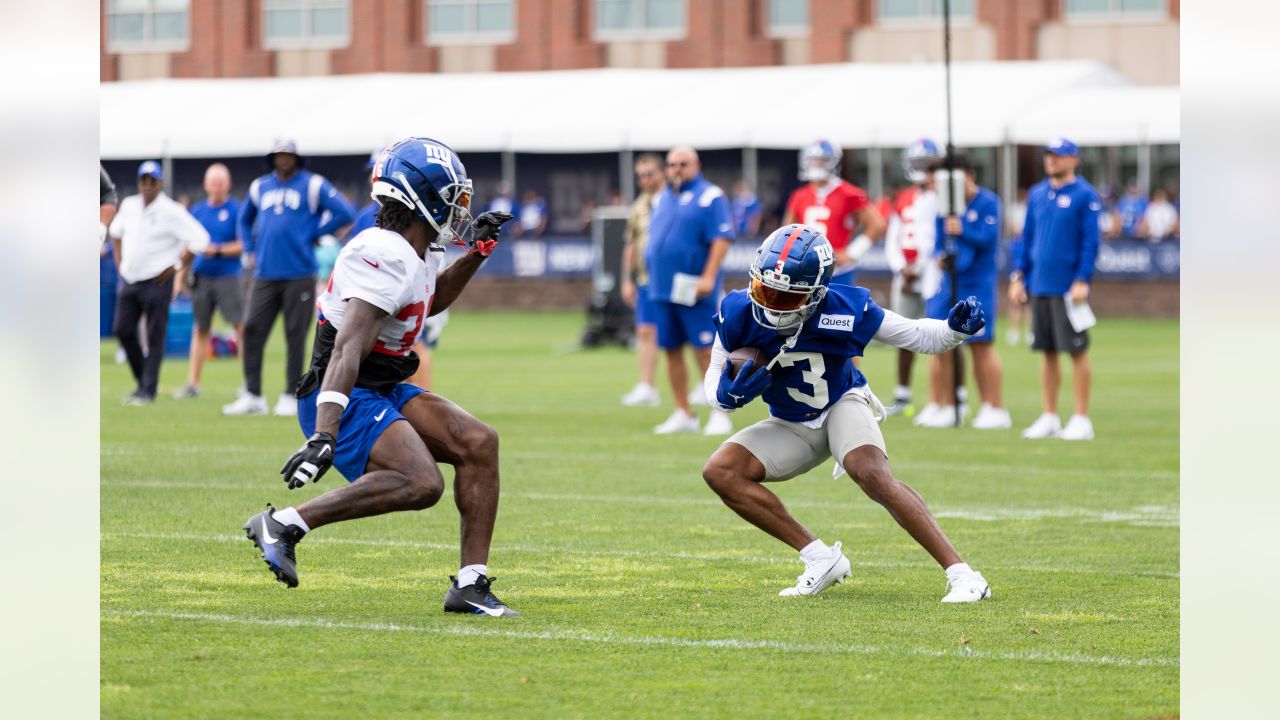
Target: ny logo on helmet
(826, 255)
(438, 155)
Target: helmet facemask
(817, 164)
(455, 196)
(778, 304)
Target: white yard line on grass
(571, 635)
(780, 559)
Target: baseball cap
(1062, 146)
(152, 168)
(284, 145)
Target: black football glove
(484, 232)
(311, 461)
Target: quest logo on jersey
(836, 322)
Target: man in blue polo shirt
(280, 222)
(689, 233)
(1060, 237)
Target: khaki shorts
(787, 449)
(908, 304)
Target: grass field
(642, 596)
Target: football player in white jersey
(352, 400)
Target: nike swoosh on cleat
(266, 534)
(494, 612)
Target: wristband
(332, 396)
(859, 247)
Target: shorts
(1051, 331)
(431, 329)
(680, 325)
(367, 415)
(909, 305)
(223, 292)
(847, 277)
(939, 305)
(787, 449)
(645, 311)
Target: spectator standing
(1061, 237)
(1129, 210)
(689, 234)
(747, 211)
(215, 276)
(150, 235)
(280, 222)
(635, 280)
(533, 214)
(1161, 218)
(503, 201)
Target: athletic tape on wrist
(332, 396)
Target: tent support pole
(750, 169)
(1008, 173)
(626, 178)
(509, 171)
(1144, 168)
(875, 172)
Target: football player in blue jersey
(819, 402)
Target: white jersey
(909, 239)
(380, 267)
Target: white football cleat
(246, 405)
(641, 395)
(969, 587)
(287, 405)
(1079, 427)
(697, 396)
(925, 416)
(820, 574)
(943, 417)
(1046, 426)
(992, 418)
(718, 423)
(679, 422)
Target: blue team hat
(1062, 146)
(152, 168)
(284, 145)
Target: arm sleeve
(711, 381)
(248, 213)
(194, 236)
(338, 207)
(1089, 238)
(118, 223)
(719, 218)
(380, 280)
(984, 231)
(893, 244)
(920, 336)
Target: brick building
(257, 38)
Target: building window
(788, 18)
(1110, 9)
(639, 19)
(467, 22)
(148, 25)
(305, 24)
(927, 11)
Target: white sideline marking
(781, 559)
(569, 635)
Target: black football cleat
(475, 599)
(275, 541)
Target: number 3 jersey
(379, 267)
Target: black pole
(950, 161)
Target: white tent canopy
(607, 110)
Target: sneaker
(718, 423)
(1046, 426)
(275, 541)
(287, 405)
(1079, 427)
(476, 599)
(943, 417)
(820, 574)
(679, 422)
(992, 418)
(698, 396)
(641, 395)
(246, 405)
(187, 392)
(925, 416)
(901, 401)
(138, 399)
(966, 588)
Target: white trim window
(1092, 10)
(288, 24)
(639, 19)
(787, 18)
(923, 12)
(148, 25)
(470, 22)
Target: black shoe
(275, 541)
(475, 599)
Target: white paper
(684, 289)
(1079, 314)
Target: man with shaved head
(690, 229)
(215, 275)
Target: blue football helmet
(820, 160)
(427, 177)
(790, 276)
(917, 157)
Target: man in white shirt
(151, 235)
(1161, 218)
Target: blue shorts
(363, 422)
(644, 306)
(939, 305)
(845, 278)
(680, 325)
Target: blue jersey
(1131, 209)
(220, 221)
(745, 208)
(364, 220)
(818, 371)
(1060, 237)
(975, 247)
(681, 229)
(281, 220)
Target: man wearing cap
(280, 222)
(1060, 237)
(151, 235)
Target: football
(739, 357)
